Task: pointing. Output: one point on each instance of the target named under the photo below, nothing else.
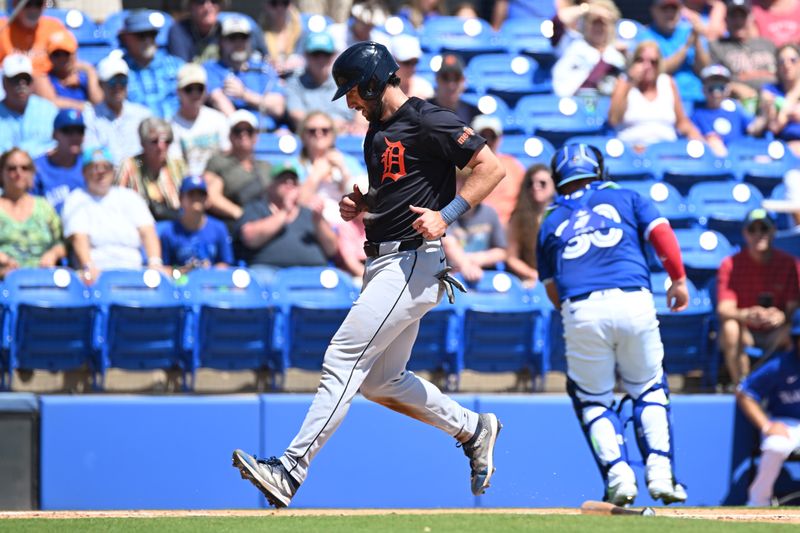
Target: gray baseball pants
(370, 352)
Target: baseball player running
(411, 150)
(591, 259)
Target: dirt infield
(737, 514)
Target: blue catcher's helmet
(368, 65)
(577, 161)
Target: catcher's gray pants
(370, 351)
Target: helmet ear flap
(556, 175)
(369, 89)
(602, 174)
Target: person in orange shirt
(504, 197)
(28, 34)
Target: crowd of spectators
(148, 157)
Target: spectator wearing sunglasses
(72, 83)
(406, 51)
(325, 175)
(114, 122)
(196, 38)
(720, 119)
(236, 81)
(59, 171)
(30, 230)
(757, 293)
(646, 106)
(199, 130)
(152, 72)
(450, 85)
(154, 175)
(26, 120)
(313, 89)
(236, 178)
(28, 34)
(535, 195)
(780, 102)
(283, 30)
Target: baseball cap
(96, 154)
(759, 214)
(287, 169)
(191, 73)
(487, 122)
(715, 71)
(319, 42)
(193, 183)
(68, 117)
(745, 5)
(110, 66)
(17, 64)
(143, 21)
(242, 115)
(62, 40)
(451, 64)
(236, 24)
(405, 47)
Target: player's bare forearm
(552, 293)
(752, 410)
(487, 171)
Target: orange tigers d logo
(393, 159)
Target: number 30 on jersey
(583, 240)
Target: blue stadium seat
(669, 201)
(530, 36)
(352, 145)
(627, 32)
(311, 22)
(489, 104)
(722, 206)
(509, 76)
(465, 37)
(528, 149)
(84, 29)
(114, 22)
(436, 348)
(93, 53)
(702, 251)
(762, 162)
(231, 322)
(276, 147)
(142, 323)
(685, 334)
(782, 220)
(501, 330)
(555, 118)
(622, 163)
(788, 241)
(50, 321)
(311, 304)
(683, 163)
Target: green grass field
(434, 523)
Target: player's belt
(377, 249)
(586, 295)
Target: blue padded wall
(134, 452)
(377, 458)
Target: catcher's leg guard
(652, 420)
(603, 430)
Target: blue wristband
(454, 209)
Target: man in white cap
(114, 122)
(236, 81)
(365, 18)
(236, 178)
(407, 52)
(26, 120)
(504, 197)
(198, 130)
(313, 89)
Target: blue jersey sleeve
(759, 384)
(545, 255)
(645, 211)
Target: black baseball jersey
(411, 159)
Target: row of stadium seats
(222, 319)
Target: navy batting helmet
(577, 161)
(368, 65)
